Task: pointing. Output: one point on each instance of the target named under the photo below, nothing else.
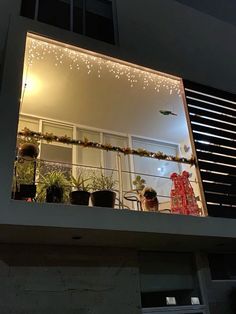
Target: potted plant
(81, 195)
(54, 187)
(25, 168)
(24, 180)
(103, 194)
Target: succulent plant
(81, 181)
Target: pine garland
(50, 137)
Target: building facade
(57, 258)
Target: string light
(39, 50)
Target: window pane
(159, 169)
(28, 123)
(28, 8)
(55, 12)
(55, 158)
(110, 159)
(78, 16)
(88, 156)
(99, 20)
(58, 130)
(57, 155)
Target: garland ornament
(50, 137)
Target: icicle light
(74, 59)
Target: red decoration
(182, 196)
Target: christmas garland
(50, 137)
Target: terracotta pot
(104, 198)
(79, 197)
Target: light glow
(75, 58)
(31, 84)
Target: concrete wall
(170, 36)
(221, 294)
(68, 280)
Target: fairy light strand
(40, 50)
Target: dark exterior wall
(178, 39)
(170, 36)
(221, 294)
(68, 280)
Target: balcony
(99, 123)
(40, 180)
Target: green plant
(56, 178)
(139, 183)
(53, 179)
(100, 181)
(24, 172)
(81, 181)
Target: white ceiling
(76, 96)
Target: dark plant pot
(79, 197)
(27, 190)
(24, 192)
(28, 151)
(104, 198)
(54, 194)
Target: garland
(50, 137)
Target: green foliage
(25, 172)
(81, 182)
(139, 183)
(53, 178)
(100, 181)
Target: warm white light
(94, 63)
(31, 84)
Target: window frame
(114, 19)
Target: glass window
(51, 153)
(59, 130)
(99, 20)
(158, 171)
(88, 156)
(29, 123)
(55, 12)
(28, 8)
(110, 158)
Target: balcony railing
(127, 196)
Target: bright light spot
(31, 84)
